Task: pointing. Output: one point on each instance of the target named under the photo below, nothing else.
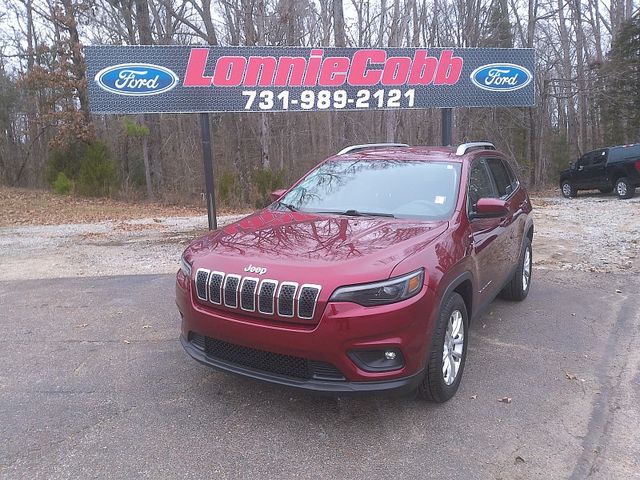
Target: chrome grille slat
(216, 280)
(248, 288)
(201, 280)
(307, 299)
(230, 290)
(286, 299)
(266, 296)
(251, 294)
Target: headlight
(381, 293)
(185, 267)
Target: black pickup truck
(605, 169)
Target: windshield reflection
(400, 188)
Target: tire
(624, 188)
(568, 190)
(518, 288)
(439, 383)
(606, 190)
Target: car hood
(304, 247)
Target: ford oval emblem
(501, 77)
(136, 79)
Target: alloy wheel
(621, 188)
(526, 269)
(453, 347)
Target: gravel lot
(597, 233)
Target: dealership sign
(147, 79)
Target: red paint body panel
(334, 251)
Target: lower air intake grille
(270, 362)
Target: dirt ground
(48, 236)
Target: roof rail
(355, 148)
(466, 147)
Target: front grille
(263, 361)
(266, 296)
(231, 284)
(248, 294)
(215, 287)
(286, 295)
(307, 301)
(202, 277)
(251, 294)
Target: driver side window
(585, 160)
(480, 185)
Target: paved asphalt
(94, 383)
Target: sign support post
(207, 160)
(446, 126)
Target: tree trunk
(151, 121)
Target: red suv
(365, 275)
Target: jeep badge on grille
(258, 270)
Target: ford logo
(136, 79)
(501, 77)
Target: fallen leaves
(505, 400)
(570, 376)
(473, 397)
(22, 206)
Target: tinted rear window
(501, 176)
(619, 154)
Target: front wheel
(624, 188)
(518, 288)
(448, 352)
(568, 190)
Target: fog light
(383, 360)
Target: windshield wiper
(357, 213)
(286, 205)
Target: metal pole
(446, 126)
(207, 160)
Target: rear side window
(501, 176)
(619, 154)
(480, 185)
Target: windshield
(398, 188)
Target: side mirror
(491, 207)
(277, 194)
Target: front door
(486, 234)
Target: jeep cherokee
(365, 275)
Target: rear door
(507, 188)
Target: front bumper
(396, 386)
(344, 327)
